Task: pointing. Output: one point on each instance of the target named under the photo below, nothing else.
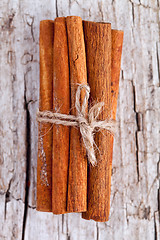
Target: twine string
(87, 122)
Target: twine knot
(87, 122)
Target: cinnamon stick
(61, 103)
(98, 52)
(117, 42)
(77, 182)
(44, 161)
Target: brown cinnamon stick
(44, 161)
(98, 52)
(117, 42)
(77, 182)
(61, 103)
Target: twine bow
(87, 122)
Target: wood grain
(134, 210)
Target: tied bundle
(87, 124)
(74, 55)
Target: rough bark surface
(135, 201)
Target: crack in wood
(26, 58)
(11, 57)
(7, 198)
(62, 223)
(28, 158)
(155, 229)
(158, 175)
(132, 12)
(68, 233)
(97, 228)
(30, 22)
(158, 62)
(144, 6)
(100, 7)
(136, 132)
(56, 2)
(8, 23)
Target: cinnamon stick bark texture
(98, 53)
(117, 42)
(44, 161)
(77, 182)
(61, 103)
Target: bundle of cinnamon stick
(75, 52)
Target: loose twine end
(87, 122)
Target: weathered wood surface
(136, 167)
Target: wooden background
(135, 202)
